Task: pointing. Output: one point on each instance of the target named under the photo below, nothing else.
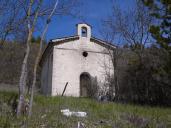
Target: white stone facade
(64, 62)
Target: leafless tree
(8, 13)
(13, 17)
(39, 56)
(110, 34)
(126, 28)
(137, 74)
(31, 25)
(35, 10)
(132, 25)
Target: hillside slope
(46, 114)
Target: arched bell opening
(84, 32)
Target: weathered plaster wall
(69, 63)
(46, 75)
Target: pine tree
(161, 29)
(160, 10)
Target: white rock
(79, 114)
(68, 113)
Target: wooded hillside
(11, 56)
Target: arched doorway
(85, 84)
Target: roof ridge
(62, 38)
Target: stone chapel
(71, 65)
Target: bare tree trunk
(38, 58)
(23, 77)
(22, 82)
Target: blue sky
(93, 11)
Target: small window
(85, 54)
(84, 31)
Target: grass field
(46, 114)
